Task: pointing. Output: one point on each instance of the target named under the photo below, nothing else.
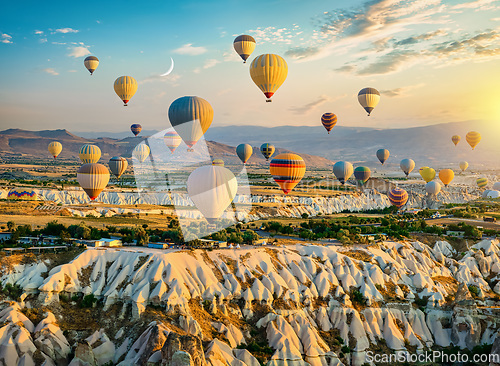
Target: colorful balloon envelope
(398, 197)
(91, 63)
(432, 188)
(268, 72)
(343, 171)
(244, 151)
(482, 182)
(455, 139)
(244, 45)
(212, 189)
(287, 170)
(55, 148)
(93, 178)
(125, 88)
(218, 162)
(473, 138)
(329, 120)
(89, 154)
(368, 98)
(190, 117)
(427, 173)
(20, 193)
(407, 165)
(118, 165)
(383, 155)
(172, 140)
(362, 174)
(463, 165)
(446, 176)
(267, 150)
(141, 152)
(136, 129)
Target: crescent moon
(171, 68)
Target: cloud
(207, 65)
(301, 52)
(419, 38)
(400, 92)
(50, 71)
(190, 50)
(477, 5)
(5, 38)
(389, 63)
(479, 44)
(79, 51)
(346, 69)
(38, 32)
(66, 30)
(274, 35)
(171, 79)
(310, 106)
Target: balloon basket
(268, 100)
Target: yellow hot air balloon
(268, 72)
(91, 63)
(244, 46)
(287, 170)
(141, 152)
(55, 148)
(89, 154)
(368, 98)
(125, 88)
(93, 178)
(427, 173)
(455, 139)
(446, 176)
(463, 165)
(473, 138)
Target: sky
(433, 61)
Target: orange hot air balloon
(93, 178)
(446, 176)
(456, 139)
(287, 170)
(473, 138)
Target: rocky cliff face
(321, 305)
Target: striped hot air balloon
(89, 154)
(432, 188)
(267, 150)
(427, 173)
(125, 88)
(398, 197)
(55, 148)
(342, 170)
(268, 72)
(172, 140)
(190, 117)
(244, 45)
(383, 155)
(455, 139)
(118, 165)
(329, 120)
(362, 174)
(136, 129)
(446, 176)
(463, 165)
(218, 162)
(407, 165)
(244, 151)
(287, 170)
(91, 63)
(20, 193)
(93, 178)
(482, 182)
(473, 138)
(368, 98)
(141, 152)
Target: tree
(64, 235)
(235, 238)
(249, 236)
(11, 225)
(141, 237)
(304, 215)
(305, 234)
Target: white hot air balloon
(496, 186)
(433, 188)
(212, 189)
(407, 165)
(463, 165)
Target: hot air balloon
(89, 154)
(368, 98)
(190, 117)
(407, 166)
(125, 88)
(141, 152)
(463, 165)
(455, 139)
(287, 170)
(91, 63)
(329, 120)
(268, 72)
(93, 178)
(383, 155)
(118, 165)
(362, 174)
(493, 194)
(218, 162)
(244, 152)
(427, 173)
(244, 46)
(432, 188)
(55, 148)
(267, 150)
(136, 129)
(473, 138)
(446, 176)
(20, 193)
(342, 170)
(482, 182)
(398, 197)
(172, 140)
(212, 189)
(496, 186)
